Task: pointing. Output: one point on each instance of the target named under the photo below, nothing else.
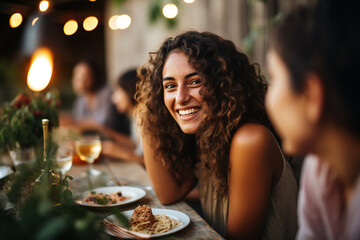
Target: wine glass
(88, 147)
(64, 157)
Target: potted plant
(21, 123)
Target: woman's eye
(195, 81)
(169, 86)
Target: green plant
(40, 210)
(35, 214)
(20, 119)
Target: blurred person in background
(202, 118)
(123, 98)
(314, 103)
(93, 109)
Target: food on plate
(105, 199)
(143, 220)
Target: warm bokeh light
(40, 70)
(43, 6)
(15, 20)
(170, 10)
(70, 27)
(123, 21)
(90, 23)
(189, 1)
(92, 0)
(112, 22)
(34, 21)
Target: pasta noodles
(162, 224)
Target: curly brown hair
(233, 89)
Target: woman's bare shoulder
(252, 133)
(254, 142)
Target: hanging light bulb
(170, 10)
(123, 21)
(70, 27)
(15, 20)
(90, 23)
(112, 22)
(44, 5)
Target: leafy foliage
(43, 209)
(20, 120)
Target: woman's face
(286, 108)
(121, 100)
(182, 86)
(82, 79)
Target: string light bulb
(15, 20)
(44, 5)
(170, 10)
(123, 21)
(189, 1)
(90, 23)
(112, 22)
(70, 27)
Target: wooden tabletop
(119, 173)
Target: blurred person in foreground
(314, 103)
(123, 98)
(92, 109)
(202, 118)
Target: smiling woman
(201, 113)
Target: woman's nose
(183, 95)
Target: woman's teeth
(188, 111)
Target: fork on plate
(122, 232)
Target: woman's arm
(167, 189)
(119, 138)
(115, 150)
(255, 164)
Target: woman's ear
(314, 97)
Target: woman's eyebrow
(187, 76)
(168, 78)
(191, 74)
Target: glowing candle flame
(40, 71)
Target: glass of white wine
(64, 157)
(88, 148)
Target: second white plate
(182, 217)
(133, 194)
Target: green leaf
(51, 229)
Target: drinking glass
(64, 157)
(88, 147)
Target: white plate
(182, 217)
(133, 193)
(5, 171)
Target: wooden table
(133, 174)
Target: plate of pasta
(152, 222)
(109, 196)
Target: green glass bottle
(48, 181)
